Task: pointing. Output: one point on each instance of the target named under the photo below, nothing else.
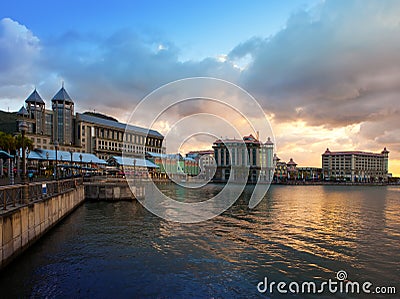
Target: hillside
(7, 122)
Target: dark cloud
(326, 66)
(335, 65)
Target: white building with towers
(247, 160)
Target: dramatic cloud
(330, 77)
(19, 54)
(335, 65)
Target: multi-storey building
(267, 161)
(45, 127)
(280, 169)
(309, 173)
(292, 169)
(355, 166)
(107, 138)
(63, 117)
(173, 166)
(83, 132)
(285, 171)
(245, 160)
(205, 161)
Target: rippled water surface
(297, 233)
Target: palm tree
(7, 142)
(27, 142)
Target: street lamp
(134, 169)
(80, 158)
(72, 173)
(23, 127)
(55, 167)
(47, 157)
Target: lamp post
(55, 166)
(80, 158)
(47, 157)
(72, 173)
(27, 155)
(23, 127)
(134, 169)
(62, 167)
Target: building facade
(104, 137)
(310, 173)
(107, 138)
(63, 118)
(173, 166)
(281, 173)
(355, 166)
(205, 162)
(247, 160)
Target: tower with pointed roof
(267, 160)
(35, 107)
(385, 154)
(63, 117)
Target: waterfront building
(203, 157)
(173, 165)
(291, 170)
(355, 166)
(245, 160)
(205, 162)
(35, 109)
(107, 138)
(136, 167)
(280, 174)
(63, 118)
(87, 133)
(310, 173)
(44, 162)
(267, 161)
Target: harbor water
(297, 233)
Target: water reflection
(296, 233)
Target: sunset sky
(326, 73)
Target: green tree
(27, 142)
(7, 142)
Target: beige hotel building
(355, 166)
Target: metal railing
(12, 195)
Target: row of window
(117, 135)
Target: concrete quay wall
(112, 192)
(21, 227)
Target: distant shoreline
(298, 183)
(334, 184)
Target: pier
(112, 189)
(25, 217)
(28, 211)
